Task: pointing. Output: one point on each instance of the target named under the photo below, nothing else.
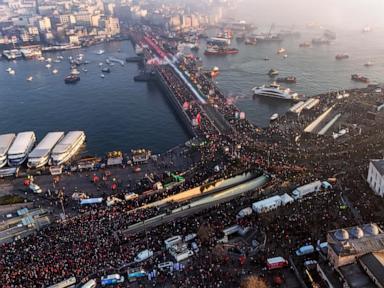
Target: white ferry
(20, 148)
(275, 91)
(5, 142)
(67, 147)
(41, 153)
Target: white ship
(20, 148)
(5, 143)
(41, 153)
(67, 147)
(275, 91)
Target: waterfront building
(376, 176)
(45, 24)
(112, 26)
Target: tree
(253, 282)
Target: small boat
(108, 61)
(75, 71)
(12, 72)
(266, 59)
(285, 56)
(342, 56)
(281, 51)
(274, 117)
(49, 60)
(55, 71)
(9, 69)
(57, 61)
(368, 64)
(100, 52)
(48, 66)
(102, 75)
(106, 70)
(305, 45)
(100, 64)
(273, 72)
(359, 78)
(288, 79)
(30, 78)
(70, 79)
(85, 70)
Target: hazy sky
(340, 13)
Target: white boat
(30, 78)
(281, 51)
(102, 75)
(85, 70)
(55, 71)
(6, 141)
(20, 148)
(48, 66)
(274, 117)
(100, 52)
(67, 147)
(100, 64)
(41, 153)
(368, 64)
(12, 72)
(49, 60)
(9, 69)
(285, 56)
(275, 91)
(75, 71)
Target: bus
(172, 241)
(111, 279)
(70, 282)
(276, 263)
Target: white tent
(285, 199)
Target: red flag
(198, 119)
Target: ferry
(20, 148)
(275, 91)
(67, 147)
(6, 141)
(216, 51)
(41, 153)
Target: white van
(143, 255)
(90, 284)
(190, 237)
(182, 256)
(172, 241)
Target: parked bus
(276, 263)
(172, 241)
(111, 279)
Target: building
(112, 26)
(45, 24)
(376, 176)
(357, 254)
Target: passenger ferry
(41, 153)
(275, 91)
(6, 141)
(20, 148)
(67, 147)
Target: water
(316, 69)
(115, 112)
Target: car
(143, 255)
(35, 188)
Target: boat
(55, 71)
(305, 45)
(342, 56)
(100, 52)
(9, 69)
(41, 154)
(71, 79)
(273, 72)
(321, 41)
(266, 59)
(102, 75)
(328, 34)
(250, 41)
(12, 72)
(274, 117)
(220, 51)
(274, 90)
(288, 79)
(100, 64)
(215, 72)
(106, 70)
(48, 66)
(20, 148)
(30, 78)
(195, 47)
(6, 141)
(108, 61)
(359, 78)
(368, 64)
(67, 147)
(285, 56)
(74, 71)
(12, 54)
(134, 59)
(85, 70)
(281, 51)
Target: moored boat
(20, 148)
(274, 90)
(274, 117)
(41, 153)
(6, 141)
(359, 78)
(71, 79)
(273, 72)
(67, 147)
(288, 79)
(342, 56)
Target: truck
(304, 190)
(305, 250)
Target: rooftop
(379, 165)
(374, 262)
(355, 276)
